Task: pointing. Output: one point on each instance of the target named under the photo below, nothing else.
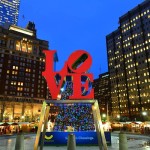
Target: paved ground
(137, 142)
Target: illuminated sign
(75, 70)
(82, 138)
(21, 30)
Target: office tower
(102, 93)
(9, 11)
(22, 87)
(128, 50)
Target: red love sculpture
(76, 67)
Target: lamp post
(22, 118)
(118, 117)
(104, 117)
(144, 114)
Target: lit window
(24, 47)
(18, 46)
(29, 48)
(28, 70)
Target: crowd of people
(6, 128)
(77, 117)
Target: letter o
(79, 61)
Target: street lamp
(118, 116)
(144, 113)
(103, 115)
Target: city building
(22, 87)
(102, 93)
(128, 50)
(9, 10)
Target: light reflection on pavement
(137, 142)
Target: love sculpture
(76, 68)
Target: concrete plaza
(138, 142)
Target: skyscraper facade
(102, 93)
(128, 50)
(22, 87)
(9, 11)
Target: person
(50, 126)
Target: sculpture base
(82, 138)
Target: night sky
(70, 25)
